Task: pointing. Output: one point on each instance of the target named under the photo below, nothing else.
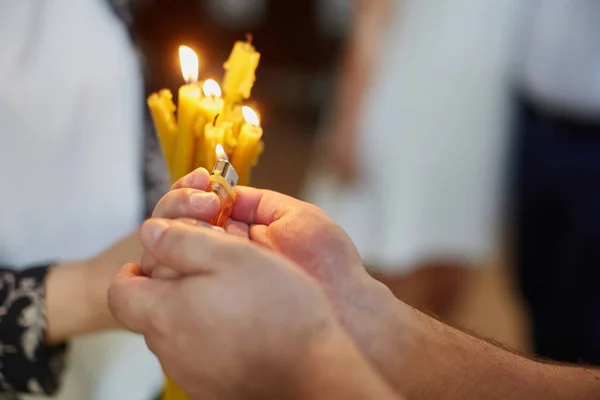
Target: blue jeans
(557, 237)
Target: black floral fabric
(26, 363)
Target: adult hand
(305, 235)
(300, 231)
(240, 322)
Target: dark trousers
(557, 238)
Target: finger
(134, 300)
(199, 223)
(150, 264)
(259, 206)
(187, 203)
(258, 234)
(197, 179)
(237, 228)
(192, 250)
(165, 273)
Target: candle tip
(215, 120)
(249, 38)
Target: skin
(76, 302)
(76, 292)
(363, 47)
(210, 330)
(418, 356)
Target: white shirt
(560, 61)
(70, 131)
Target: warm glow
(211, 88)
(220, 152)
(250, 116)
(189, 64)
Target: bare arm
(362, 50)
(76, 293)
(335, 369)
(426, 359)
(358, 61)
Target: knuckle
(182, 201)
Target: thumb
(135, 300)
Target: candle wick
(215, 120)
(249, 38)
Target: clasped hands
(256, 309)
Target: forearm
(72, 306)
(425, 359)
(76, 293)
(335, 369)
(359, 57)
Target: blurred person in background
(416, 141)
(557, 192)
(71, 156)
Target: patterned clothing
(26, 363)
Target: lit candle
(240, 70)
(212, 103)
(187, 113)
(162, 110)
(248, 146)
(211, 106)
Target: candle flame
(250, 116)
(211, 88)
(220, 152)
(189, 64)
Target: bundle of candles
(207, 117)
(211, 128)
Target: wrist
(74, 306)
(381, 326)
(96, 282)
(333, 367)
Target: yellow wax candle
(235, 116)
(213, 134)
(212, 103)
(248, 146)
(205, 143)
(199, 148)
(187, 113)
(211, 106)
(172, 391)
(162, 110)
(229, 139)
(240, 70)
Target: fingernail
(188, 221)
(200, 200)
(152, 231)
(188, 180)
